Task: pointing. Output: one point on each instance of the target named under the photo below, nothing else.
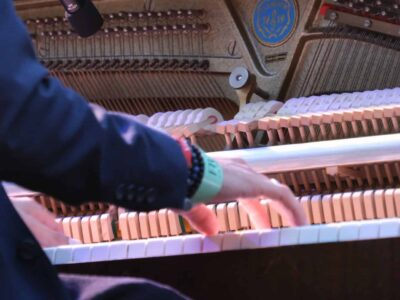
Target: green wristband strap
(211, 182)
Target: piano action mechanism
(305, 91)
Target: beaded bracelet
(196, 171)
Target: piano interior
(250, 75)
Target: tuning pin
(121, 15)
(167, 28)
(131, 15)
(171, 13)
(184, 28)
(157, 28)
(145, 29)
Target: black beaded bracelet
(196, 172)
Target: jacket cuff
(147, 170)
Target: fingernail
(274, 181)
(74, 241)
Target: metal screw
(333, 16)
(367, 23)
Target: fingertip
(72, 241)
(207, 226)
(54, 239)
(303, 221)
(202, 219)
(297, 218)
(56, 225)
(257, 212)
(211, 230)
(60, 227)
(301, 217)
(274, 181)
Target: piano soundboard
(307, 92)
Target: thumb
(202, 219)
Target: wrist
(205, 176)
(211, 182)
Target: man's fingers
(39, 212)
(285, 203)
(257, 213)
(47, 218)
(56, 239)
(46, 236)
(202, 219)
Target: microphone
(83, 16)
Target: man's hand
(248, 187)
(40, 222)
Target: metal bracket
(245, 85)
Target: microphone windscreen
(86, 20)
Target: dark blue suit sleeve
(52, 141)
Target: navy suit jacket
(52, 141)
